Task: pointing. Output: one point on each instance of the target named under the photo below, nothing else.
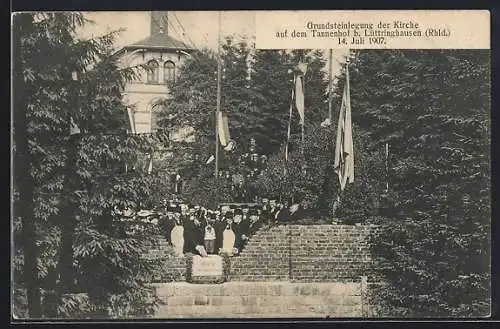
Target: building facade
(164, 56)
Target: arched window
(169, 72)
(153, 72)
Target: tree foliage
(432, 107)
(105, 256)
(256, 88)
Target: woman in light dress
(177, 237)
(228, 239)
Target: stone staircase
(168, 266)
(160, 248)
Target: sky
(198, 28)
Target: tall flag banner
(299, 89)
(131, 120)
(74, 129)
(223, 128)
(177, 183)
(344, 148)
(150, 166)
(299, 97)
(288, 134)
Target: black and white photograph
(168, 168)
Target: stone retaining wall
(262, 300)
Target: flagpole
(217, 114)
(304, 95)
(330, 57)
(386, 167)
(304, 119)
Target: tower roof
(159, 41)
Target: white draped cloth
(228, 239)
(177, 238)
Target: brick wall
(265, 257)
(307, 253)
(301, 253)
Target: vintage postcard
(251, 164)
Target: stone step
(273, 309)
(234, 288)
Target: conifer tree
(84, 259)
(272, 82)
(432, 107)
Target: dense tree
(272, 82)
(256, 90)
(193, 99)
(310, 178)
(432, 107)
(84, 260)
(25, 190)
(237, 94)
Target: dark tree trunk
(68, 216)
(22, 174)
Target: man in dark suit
(255, 222)
(237, 227)
(220, 226)
(283, 214)
(297, 212)
(168, 223)
(189, 236)
(193, 234)
(243, 229)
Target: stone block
(225, 300)
(248, 300)
(201, 300)
(180, 301)
(350, 311)
(249, 309)
(351, 300)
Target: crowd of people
(227, 229)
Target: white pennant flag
(326, 123)
(212, 158)
(230, 146)
(302, 67)
(344, 148)
(299, 97)
(223, 128)
(131, 120)
(74, 129)
(150, 166)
